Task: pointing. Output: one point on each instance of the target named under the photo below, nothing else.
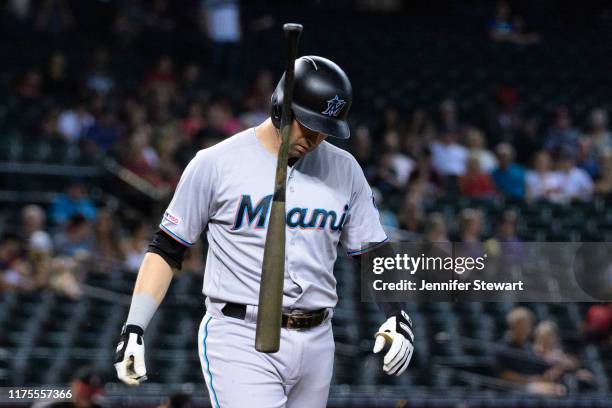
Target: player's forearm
(151, 286)
(154, 277)
(388, 308)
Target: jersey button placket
(292, 232)
(290, 181)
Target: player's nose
(314, 139)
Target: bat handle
(386, 336)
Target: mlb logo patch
(171, 218)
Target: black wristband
(132, 328)
(125, 336)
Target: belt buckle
(296, 321)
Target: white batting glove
(397, 331)
(129, 356)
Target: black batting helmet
(322, 96)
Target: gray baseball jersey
(227, 190)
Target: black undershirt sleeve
(388, 308)
(172, 251)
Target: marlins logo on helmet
(334, 106)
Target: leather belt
(296, 320)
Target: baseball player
(226, 190)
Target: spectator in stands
(107, 251)
(104, 133)
(507, 233)
(470, 231)
(547, 346)
(509, 177)
(500, 28)
(521, 35)
(517, 361)
(475, 142)
(421, 127)
(508, 246)
(19, 17)
(603, 185)
(475, 183)
(449, 118)
(74, 201)
(15, 272)
(448, 156)
(168, 169)
(136, 245)
(220, 20)
(73, 122)
(177, 400)
(160, 24)
(388, 218)
(33, 232)
(419, 134)
(504, 120)
(507, 227)
(142, 159)
(134, 114)
(562, 137)
(410, 215)
(435, 228)
(87, 390)
(528, 141)
(386, 179)
(192, 85)
(46, 270)
(505, 29)
(362, 150)
(160, 84)
(520, 326)
(76, 240)
(50, 136)
(576, 184)
(390, 120)
(57, 83)
(194, 121)
(221, 120)
(596, 143)
(128, 24)
(425, 181)
(401, 164)
(29, 85)
(54, 18)
(598, 324)
(99, 78)
(542, 182)
(257, 99)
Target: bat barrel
(267, 334)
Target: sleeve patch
(172, 218)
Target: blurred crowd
(154, 124)
(172, 104)
(532, 356)
(55, 248)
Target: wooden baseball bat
(267, 334)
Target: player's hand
(396, 331)
(129, 357)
